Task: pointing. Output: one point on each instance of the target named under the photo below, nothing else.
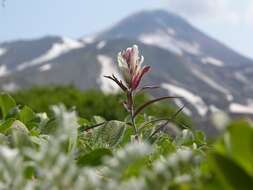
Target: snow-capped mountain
(171, 32)
(185, 62)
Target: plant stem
(133, 123)
(131, 99)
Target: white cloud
(218, 10)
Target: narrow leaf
(94, 126)
(142, 107)
(170, 119)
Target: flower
(129, 63)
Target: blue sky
(230, 21)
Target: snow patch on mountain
(101, 44)
(161, 40)
(2, 51)
(167, 40)
(210, 82)
(212, 61)
(193, 99)
(241, 78)
(88, 39)
(55, 51)
(229, 97)
(237, 108)
(171, 31)
(3, 71)
(107, 68)
(191, 48)
(45, 67)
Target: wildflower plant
(130, 65)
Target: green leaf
(29, 171)
(112, 132)
(94, 158)
(19, 126)
(83, 121)
(7, 103)
(5, 125)
(38, 140)
(19, 135)
(50, 127)
(126, 136)
(98, 119)
(186, 138)
(165, 146)
(230, 173)
(26, 114)
(200, 137)
(237, 144)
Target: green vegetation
(64, 151)
(90, 103)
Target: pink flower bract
(130, 63)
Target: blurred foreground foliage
(66, 151)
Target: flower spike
(129, 63)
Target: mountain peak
(158, 13)
(147, 21)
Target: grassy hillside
(90, 103)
